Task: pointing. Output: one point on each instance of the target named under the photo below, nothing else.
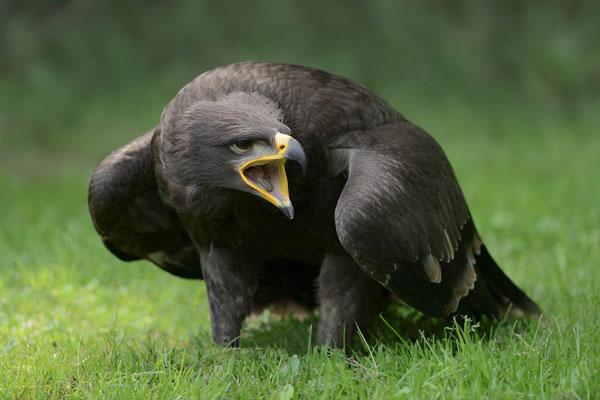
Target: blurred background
(511, 90)
(78, 78)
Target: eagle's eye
(243, 146)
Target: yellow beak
(267, 175)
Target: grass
(77, 323)
(510, 92)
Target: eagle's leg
(347, 297)
(231, 280)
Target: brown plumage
(377, 207)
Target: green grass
(511, 92)
(75, 322)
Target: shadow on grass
(397, 324)
(288, 333)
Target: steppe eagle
(369, 206)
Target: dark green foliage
(511, 90)
(87, 76)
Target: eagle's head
(237, 142)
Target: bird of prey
(367, 206)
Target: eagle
(368, 209)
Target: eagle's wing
(132, 218)
(404, 220)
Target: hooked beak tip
(296, 152)
(287, 210)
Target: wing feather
(132, 218)
(403, 218)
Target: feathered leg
(348, 297)
(231, 281)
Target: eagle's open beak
(267, 176)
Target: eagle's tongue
(261, 176)
(265, 183)
(270, 180)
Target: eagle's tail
(495, 293)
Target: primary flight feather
(268, 180)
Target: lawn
(75, 322)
